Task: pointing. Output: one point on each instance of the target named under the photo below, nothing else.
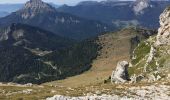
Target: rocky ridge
(164, 30)
(152, 56)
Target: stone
(151, 54)
(120, 75)
(158, 77)
(136, 78)
(168, 77)
(29, 84)
(151, 78)
(133, 79)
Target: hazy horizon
(59, 2)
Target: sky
(59, 2)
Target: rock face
(155, 61)
(36, 7)
(163, 36)
(120, 75)
(140, 5)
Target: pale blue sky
(70, 2)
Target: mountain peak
(36, 4)
(34, 7)
(35, 0)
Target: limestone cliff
(151, 58)
(163, 36)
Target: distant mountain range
(143, 13)
(6, 9)
(42, 15)
(116, 13)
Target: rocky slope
(100, 92)
(152, 56)
(42, 15)
(163, 32)
(114, 47)
(151, 92)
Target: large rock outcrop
(153, 55)
(36, 7)
(163, 36)
(120, 75)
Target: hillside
(114, 47)
(32, 55)
(32, 38)
(29, 54)
(21, 49)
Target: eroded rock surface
(120, 75)
(163, 36)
